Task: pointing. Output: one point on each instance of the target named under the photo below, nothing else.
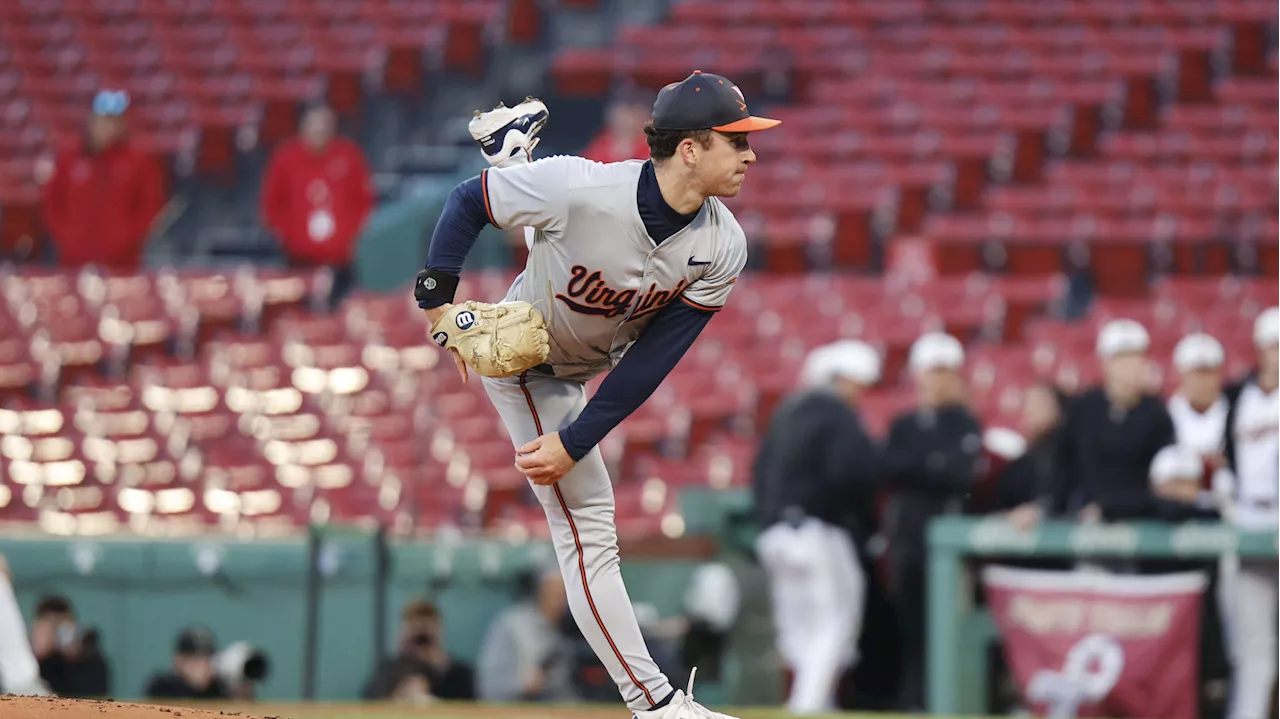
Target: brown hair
(663, 143)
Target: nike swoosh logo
(695, 263)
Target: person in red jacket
(316, 196)
(622, 137)
(105, 192)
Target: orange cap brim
(749, 124)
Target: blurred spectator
(193, 675)
(622, 137)
(1198, 408)
(815, 469)
(525, 656)
(712, 603)
(590, 680)
(1029, 477)
(1177, 493)
(105, 192)
(1252, 452)
(933, 458)
(71, 662)
(316, 196)
(421, 668)
(1112, 433)
(19, 670)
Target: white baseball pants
(1228, 568)
(1253, 639)
(580, 511)
(818, 592)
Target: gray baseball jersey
(593, 270)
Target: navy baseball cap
(704, 101)
(195, 641)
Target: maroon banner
(1091, 644)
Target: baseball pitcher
(628, 262)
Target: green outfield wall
(140, 594)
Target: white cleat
(504, 131)
(683, 706)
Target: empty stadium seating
(208, 413)
(979, 149)
(199, 71)
(1007, 135)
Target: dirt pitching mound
(55, 708)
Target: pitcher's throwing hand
(544, 460)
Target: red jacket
(99, 207)
(317, 202)
(603, 149)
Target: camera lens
(255, 668)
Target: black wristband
(434, 288)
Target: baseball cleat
(682, 706)
(503, 131)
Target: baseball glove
(495, 340)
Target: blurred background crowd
(1008, 257)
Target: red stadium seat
(973, 150)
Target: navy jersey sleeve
(463, 217)
(648, 361)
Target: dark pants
(344, 278)
(911, 601)
(873, 683)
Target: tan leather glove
(494, 340)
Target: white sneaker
(682, 706)
(504, 131)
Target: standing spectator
(1253, 456)
(525, 656)
(815, 468)
(933, 456)
(1198, 411)
(1114, 430)
(622, 137)
(104, 194)
(1199, 407)
(1029, 478)
(1112, 433)
(194, 675)
(316, 196)
(422, 663)
(1177, 494)
(70, 660)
